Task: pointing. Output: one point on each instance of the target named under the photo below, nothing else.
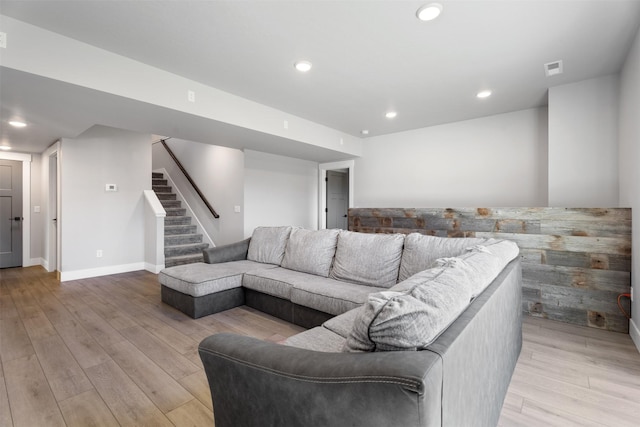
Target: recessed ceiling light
(18, 124)
(391, 115)
(364, 131)
(303, 66)
(429, 12)
(484, 94)
(5, 147)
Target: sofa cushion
(411, 320)
(343, 323)
(317, 339)
(368, 259)
(202, 279)
(485, 261)
(268, 244)
(328, 295)
(420, 251)
(310, 251)
(275, 281)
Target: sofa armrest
(259, 383)
(232, 252)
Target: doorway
(52, 212)
(341, 175)
(337, 198)
(11, 220)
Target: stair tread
(188, 245)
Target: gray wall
(492, 161)
(279, 191)
(583, 141)
(630, 166)
(219, 173)
(94, 219)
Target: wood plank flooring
(106, 352)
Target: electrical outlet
(99, 253)
(191, 96)
(3, 40)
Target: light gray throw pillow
(413, 319)
(368, 259)
(421, 251)
(268, 244)
(311, 251)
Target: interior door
(10, 213)
(337, 199)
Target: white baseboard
(45, 264)
(33, 261)
(634, 332)
(155, 269)
(101, 271)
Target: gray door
(337, 199)
(10, 213)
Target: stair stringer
(190, 212)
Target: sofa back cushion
(420, 251)
(311, 251)
(368, 259)
(268, 244)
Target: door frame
(322, 187)
(49, 245)
(26, 204)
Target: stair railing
(186, 174)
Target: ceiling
(368, 57)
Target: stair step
(161, 188)
(158, 181)
(188, 249)
(166, 196)
(175, 211)
(172, 230)
(181, 239)
(157, 175)
(177, 220)
(183, 259)
(171, 203)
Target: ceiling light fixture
(364, 131)
(303, 66)
(5, 147)
(17, 124)
(391, 115)
(429, 12)
(484, 94)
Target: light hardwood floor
(106, 351)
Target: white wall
(583, 140)
(630, 167)
(492, 161)
(279, 191)
(219, 173)
(94, 219)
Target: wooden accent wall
(575, 262)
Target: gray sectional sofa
(404, 330)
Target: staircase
(181, 243)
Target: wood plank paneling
(575, 261)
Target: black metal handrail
(186, 174)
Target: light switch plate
(110, 187)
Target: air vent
(553, 68)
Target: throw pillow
(412, 319)
(311, 251)
(268, 244)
